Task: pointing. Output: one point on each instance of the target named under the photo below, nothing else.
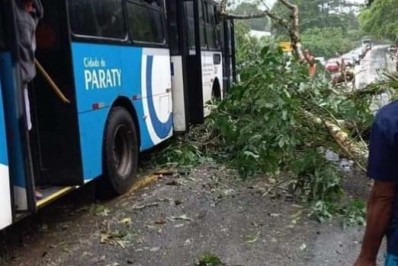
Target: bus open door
(46, 158)
(54, 138)
(5, 187)
(16, 186)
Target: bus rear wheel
(120, 151)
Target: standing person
(28, 13)
(309, 57)
(382, 208)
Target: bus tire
(216, 91)
(120, 152)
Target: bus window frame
(177, 20)
(93, 38)
(211, 5)
(204, 6)
(164, 25)
(202, 18)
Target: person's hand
(365, 262)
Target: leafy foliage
(318, 41)
(354, 213)
(249, 47)
(278, 120)
(321, 14)
(380, 19)
(264, 123)
(210, 260)
(181, 152)
(271, 122)
(322, 21)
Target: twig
(276, 186)
(141, 207)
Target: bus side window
(211, 28)
(97, 18)
(174, 37)
(202, 23)
(190, 21)
(145, 22)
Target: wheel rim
(123, 150)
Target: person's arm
(39, 11)
(378, 218)
(309, 58)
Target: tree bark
(292, 27)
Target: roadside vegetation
(380, 19)
(327, 27)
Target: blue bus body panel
(3, 140)
(102, 74)
(14, 144)
(5, 188)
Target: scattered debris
(274, 214)
(126, 221)
(99, 210)
(141, 207)
(154, 249)
(116, 237)
(252, 239)
(183, 217)
(178, 225)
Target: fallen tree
(350, 148)
(279, 120)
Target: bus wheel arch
(216, 90)
(120, 150)
(126, 103)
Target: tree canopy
(380, 19)
(322, 21)
(322, 14)
(261, 24)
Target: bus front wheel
(120, 151)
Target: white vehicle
(356, 55)
(367, 43)
(348, 59)
(321, 60)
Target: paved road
(179, 218)
(369, 69)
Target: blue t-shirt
(383, 161)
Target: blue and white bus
(134, 71)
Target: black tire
(120, 153)
(216, 92)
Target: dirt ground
(178, 219)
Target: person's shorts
(391, 260)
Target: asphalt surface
(371, 66)
(179, 218)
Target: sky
(271, 2)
